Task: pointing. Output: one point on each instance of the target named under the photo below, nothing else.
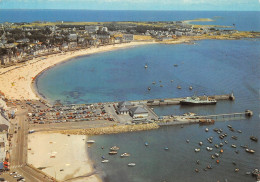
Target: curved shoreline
(17, 82)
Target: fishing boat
(229, 126)
(206, 129)
(200, 143)
(178, 87)
(212, 156)
(175, 65)
(196, 170)
(216, 145)
(171, 80)
(91, 141)
(149, 88)
(190, 88)
(187, 141)
(112, 153)
(234, 146)
(145, 66)
(194, 100)
(197, 150)
(253, 138)
(239, 131)
(217, 154)
(131, 164)
(244, 146)
(198, 162)
(209, 148)
(251, 151)
(105, 161)
(146, 143)
(114, 148)
(209, 166)
(234, 137)
(125, 155)
(154, 83)
(221, 150)
(236, 170)
(210, 140)
(166, 148)
(221, 144)
(161, 85)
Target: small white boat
(200, 143)
(112, 153)
(125, 155)
(250, 151)
(105, 161)
(145, 66)
(131, 164)
(197, 150)
(234, 146)
(91, 141)
(206, 129)
(114, 148)
(209, 149)
(190, 88)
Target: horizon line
(125, 10)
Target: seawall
(110, 130)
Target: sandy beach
(60, 156)
(15, 81)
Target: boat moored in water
(131, 164)
(105, 161)
(125, 155)
(253, 139)
(112, 153)
(91, 141)
(209, 148)
(197, 150)
(194, 100)
(251, 151)
(114, 148)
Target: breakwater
(110, 130)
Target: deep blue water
(210, 66)
(244, 20)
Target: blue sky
(236, 5)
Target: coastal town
(20, 42)
(38, 46)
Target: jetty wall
(110, 129)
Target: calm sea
(209, 66)
(243, 20)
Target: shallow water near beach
(210, 66)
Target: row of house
(4, 130)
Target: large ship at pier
(194, 100)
